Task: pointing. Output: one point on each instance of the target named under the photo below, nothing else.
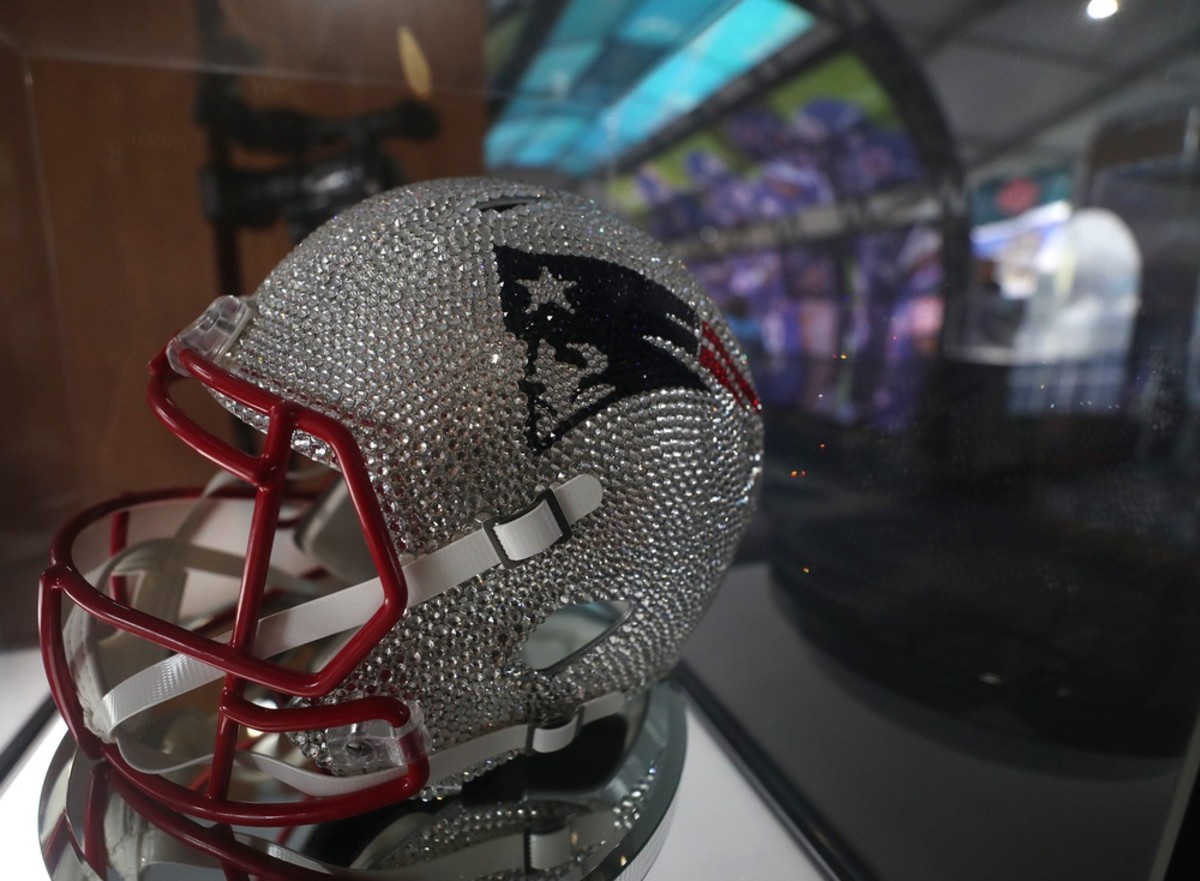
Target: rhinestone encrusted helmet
(543, 447)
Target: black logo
(595, 333)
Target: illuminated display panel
(841, 324)
(612, 74)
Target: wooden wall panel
(349, 41)
(133, 255)
(35, 465)
(104, 247)
(359, 43)
(39, 484)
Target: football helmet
(542, 445)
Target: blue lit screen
(612, 74)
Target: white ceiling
(1025, 83)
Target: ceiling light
(1098, 9)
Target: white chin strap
(509, 541)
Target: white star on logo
(548, 288)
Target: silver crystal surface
(390, 318)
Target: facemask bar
(266, 473)
(163, 838)
(384, 740)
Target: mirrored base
(596, 811)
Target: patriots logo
(596, 332)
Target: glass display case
(956, 242)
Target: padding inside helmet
(570, 631)
(330, 532)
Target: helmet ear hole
(571, 631)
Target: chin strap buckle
(530, 531)
(555, 736)
(560, 733)
(548, 850)
(509, 540)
